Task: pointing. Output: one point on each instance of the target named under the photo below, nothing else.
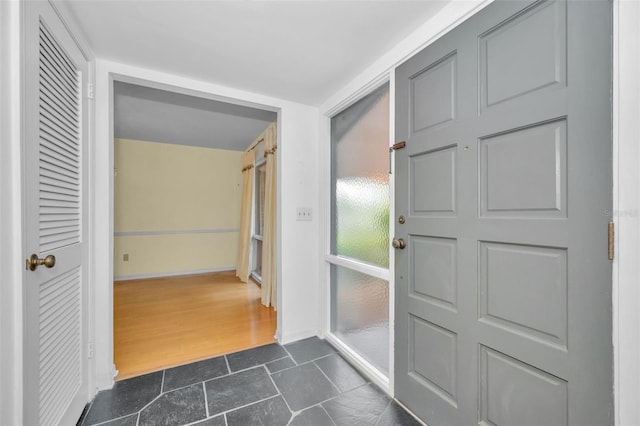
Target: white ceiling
(302, 50)
(148, 114)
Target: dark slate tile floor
(305, 383)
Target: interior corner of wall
(296, 335)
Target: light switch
(304, 213)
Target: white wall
(11, 270)
(298, 241)
(177, 209)
(444, 20)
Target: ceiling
(300, 50)
(149, 114)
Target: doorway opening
(178, 195)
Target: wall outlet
(304, 213)
(125, 257)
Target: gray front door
(503, 292)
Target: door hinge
(90, 89)
(611, 240)
(398, 145)
(90, 350)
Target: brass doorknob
(398, 243)
(34, 261)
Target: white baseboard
(173, 274)
(286, 338)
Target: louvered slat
(55, 196)
(54, 139)
(58, 217)
(56, 211)
(52, 107)
(59, 148)
(62, 179)
(60, 189)
(46, 149)
(51, 168)
(46, 180)
(60, 337)
(63, 87)
(57, 189)
(57, 92)
(56, 223)
(50, 46)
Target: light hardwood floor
(164, 322)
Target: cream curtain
(244, 242)
(269, 243)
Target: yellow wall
(162, 188)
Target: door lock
(34, 261)
(398, 243)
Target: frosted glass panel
(360, 314)
(360, 182)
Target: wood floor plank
(165, 322)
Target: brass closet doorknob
(398, 243)
(34, 261)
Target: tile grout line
(319, 405)
(245, 406)
(293, 414)
(228, 366)
(385, 409)
(280, 393)
(149, 403)
(191, 384)
(290, 355)
(328, 415)
(110, 420)
(206, 401)
(337, 396)
(342, 393)
(325, 375)
(321, 402)
(279, 359)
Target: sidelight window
(359, 249)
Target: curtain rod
(260, 137)
(254, 144)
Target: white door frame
(101, 167)
(12, 273)
(626, 210)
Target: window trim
(259, 162)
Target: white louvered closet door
(56, 208)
